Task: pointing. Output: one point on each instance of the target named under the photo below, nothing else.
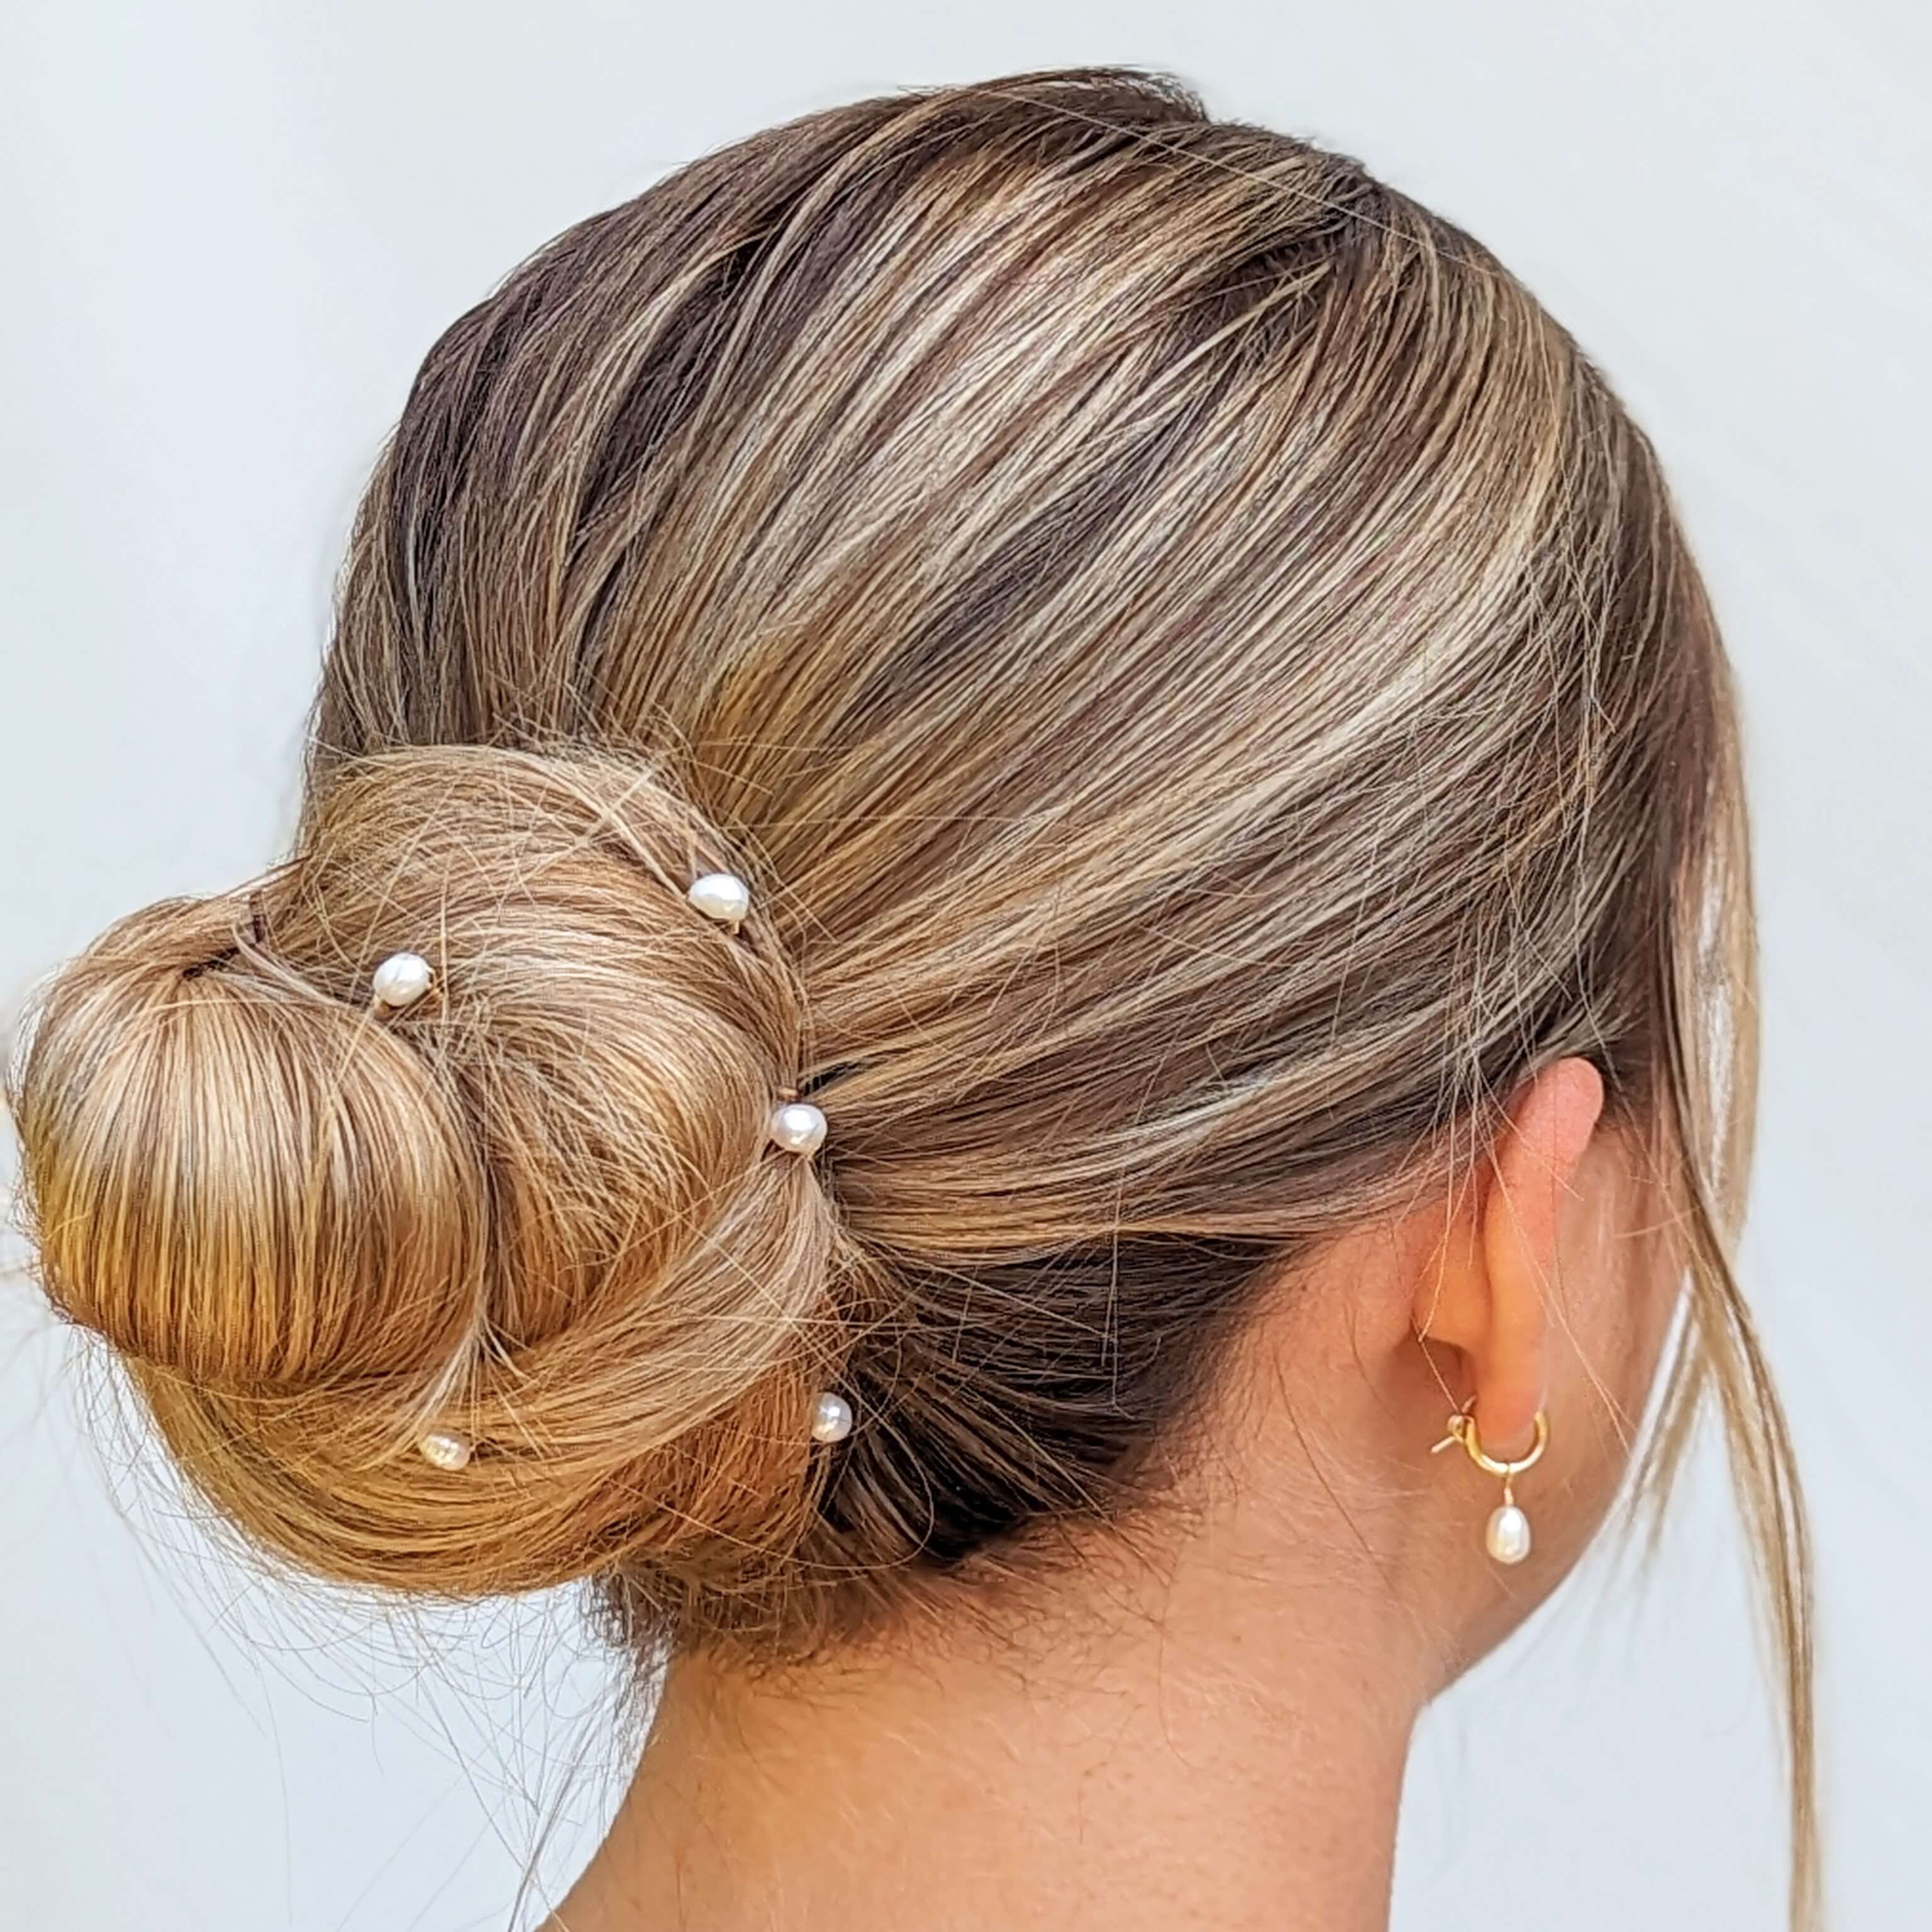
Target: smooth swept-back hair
(1206, 686)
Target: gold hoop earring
(1506, 1537)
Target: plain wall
(231, 231)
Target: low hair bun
(537, 1207)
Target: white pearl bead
(402, 980)
(723, 896)
(832, 1419)
(446, 1449)
(799, 1127)
(1507, 1538)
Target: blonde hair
(1206, 684)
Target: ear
(1486, 1292)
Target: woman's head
(1206, 684)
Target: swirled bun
(537, 1207)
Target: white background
(230, 232)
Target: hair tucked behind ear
(537, 1207)
(1209, 687)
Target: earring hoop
(1462, 1429)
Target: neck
(1222, 1747)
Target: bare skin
(1210, 1729)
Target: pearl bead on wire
(723, 896)
(831, 1418)
(799, 1127)
(447, 1448)
(401, 980)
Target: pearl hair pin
(401, 981)
(723, 896)
(831, 1418)
(795, 1125)
(799, 1127)
(449, 1449)
(446, 1448)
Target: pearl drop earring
(723, 896)
(1507, 1535)
(831, 1418)
(799, 1127)
(401, 981)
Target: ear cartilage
(401, 981)
(799, 1127)
(723, 896)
